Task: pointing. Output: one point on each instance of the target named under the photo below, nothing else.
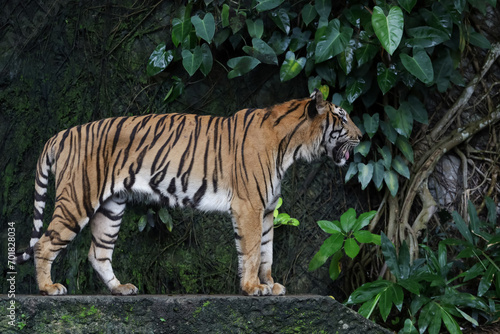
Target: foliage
(346, 234)
(283, 218)
(428, 292)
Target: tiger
(229, 164)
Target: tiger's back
(231, 164)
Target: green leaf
(351, 248)
(335, 266)
(479, 40)
(385, 152)
(308, 13)
(181, 28)
(327, 72)
(473, 218)
(142, 223)
(417, 108)
(329, 247)
(263, 5)
(371, 124)
(407, 4)
(206, 59)
(419, 65)
(401, 120)
(205, 28)
(487, 280)
(354, 89)
(390, 256)
(166, 218)
(426, 37)
(389, 29)
(492, 213)
(363, 220)
(192, 60)
(330, 42)
(365, 53)
(279, 42)
(299, 39)
(363, 236)
(386, 77)
(347, 220)
(291, 67)
(450, 322)
(329, 227)
(391, 180)
(225, 15)
(363, 148)
(323, 7)
(241, 65)
(365, 174)
(255, 28)
(409, 328)
(262, 52)
(282, 20)
(404, 261)
(389, 131)
(400, 166)
(378, 173)
(367, 291)
(353, 170)
(405, 147)
(159, 60)
(313, 83)
(462, 227)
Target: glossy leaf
(255, 28)
(299, 39)
(386, 77)
(323, 7)
(159, 60)
(487, 280)
(368, 291)
(407, 4)
(363, 148)
(390, 255)
(346, 57)
(205, 28)
(366, 53)
(385, 152)
(192, 60)
(371, 124)
(378, 173)
(282, 20)
(330, 42)
(309, 13)
(353, 170)
(263, 5)
(388, 131)
(335, 266)
(331, 245)
(389, 29)
(262, 51)
(291, 67)
(142, 223)
(405, 147)
(225, 15)
(181, 27)
(364, 236)
(351, 248)
(401, 120)
(348, 220)
(365, 174)
(241, 65)
(363, 220)
(279, 42)
(354, 89)
(400, 166)
(330, 227)
(417, 108)
(419, 65)
(206, 59)
(166, 218)
(391, 180)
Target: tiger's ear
(317, 105)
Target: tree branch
(444, 122)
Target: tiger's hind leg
(57, 237)
(105, 226)
(266, 254)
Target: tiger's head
(340, 134)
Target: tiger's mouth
(341, 154)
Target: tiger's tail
(43, 167)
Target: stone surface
(181, 314)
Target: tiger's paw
(53, 290)
(258, 290)
(278, 289)
(124, 290)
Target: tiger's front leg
(266, 253)
(248, 228)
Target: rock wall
(181, 314)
